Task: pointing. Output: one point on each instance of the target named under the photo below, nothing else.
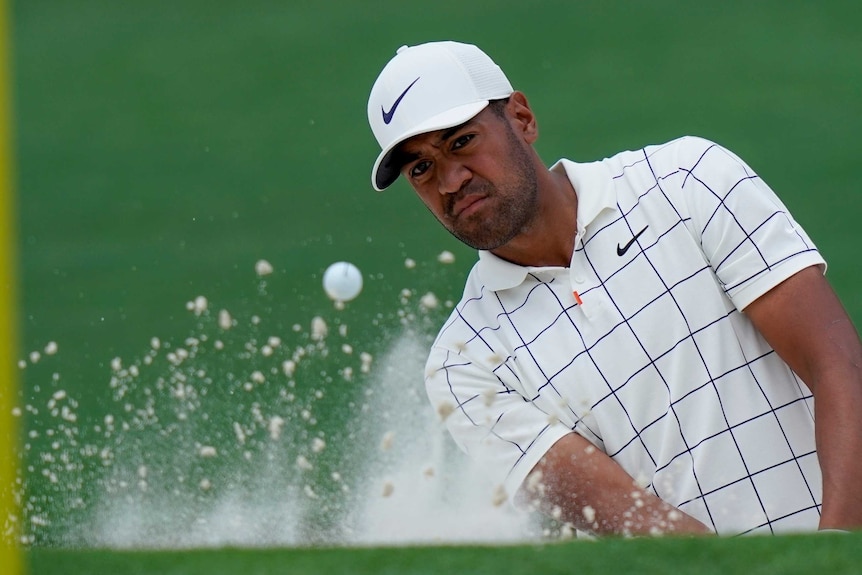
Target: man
(646, 341)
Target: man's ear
(522, 118)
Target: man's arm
(803, 320)
(579, 484)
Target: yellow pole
(10, 559)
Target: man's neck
(549, 238)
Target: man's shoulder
(685, 143)
(475, 292)
(672, 156)
(682, 147)
(470, 309)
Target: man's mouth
(467, 204)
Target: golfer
(647, 343)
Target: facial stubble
(516, 202)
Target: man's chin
(479, 241)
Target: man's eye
(419, 168)
(461, 141)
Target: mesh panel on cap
(488, 78)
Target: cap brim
(385, 171)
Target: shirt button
(579, 279)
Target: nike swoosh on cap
(387, 116)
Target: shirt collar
(593, 184)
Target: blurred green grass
(164, 147)
(787, 555)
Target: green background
(164, 147)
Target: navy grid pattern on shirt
(656, 365)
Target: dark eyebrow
(454, 130)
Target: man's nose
(453, 174)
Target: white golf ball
(342, 281)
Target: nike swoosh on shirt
(387, 116)
(621, 251)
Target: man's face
(478, 179)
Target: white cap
(425, 88)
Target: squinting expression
(477, 179)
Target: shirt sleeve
(487, 418)
(747, 234)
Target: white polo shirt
(640, 345)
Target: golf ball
(342, 281)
